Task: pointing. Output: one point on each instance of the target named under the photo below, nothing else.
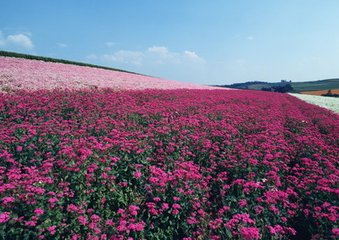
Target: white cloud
(124, 56)
(193, 56)
(62, 45)
(22, 40)
(155, 55)
(159, 50)
(160, 55)
(156, 61)
(159, 61)
(250, 38)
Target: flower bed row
(175, 164)
(25, 74)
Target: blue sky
(199, 41)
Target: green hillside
(325, 84)
(316, 85)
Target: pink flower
(122, 226)
(4, 217)
(53, 200)
(335, 232)
(275, 229)
(52, 229)
(192, 220)
(175, 211)
(291, 231)
(19, 148)
(95, 218)
(75, 237)
(137, 175)
(121, 211)
(38, 211)
(242, 203)
(7, 200)
(164, 206)
(176, 198)
(137, 227)
(72, 208)
(153, 180)
(250, 233)
(109, 222)
(133, 210)
(176, 206)
(82, 220)
(30, 223)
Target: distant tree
(280, 88)
(267, 89)
(330, 94)
(284, 89)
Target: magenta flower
(133, 210)
(137, 175)
(52, 229)
(192, 220)
(82, 220)
(38, 211)
(335, 232)
(53, 200)
(175, 211)
(250, 233)
(75, 237)
(137, 227)
(7, 200)
(176, 198)
(31, 223)
(95, 218)
(164, 206)
(176, 206)
(72, 208)
(238, 161)
(109, 222)
(242, 203)
(4, 217)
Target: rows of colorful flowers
(331, 103)
(167, 164)
(24, 74)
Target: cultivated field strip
(330, 103)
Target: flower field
(330, 103)
(166, 164)
(24, 74)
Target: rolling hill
(27, 72)
(298, 87)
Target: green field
(316, 85)
(325, 84)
